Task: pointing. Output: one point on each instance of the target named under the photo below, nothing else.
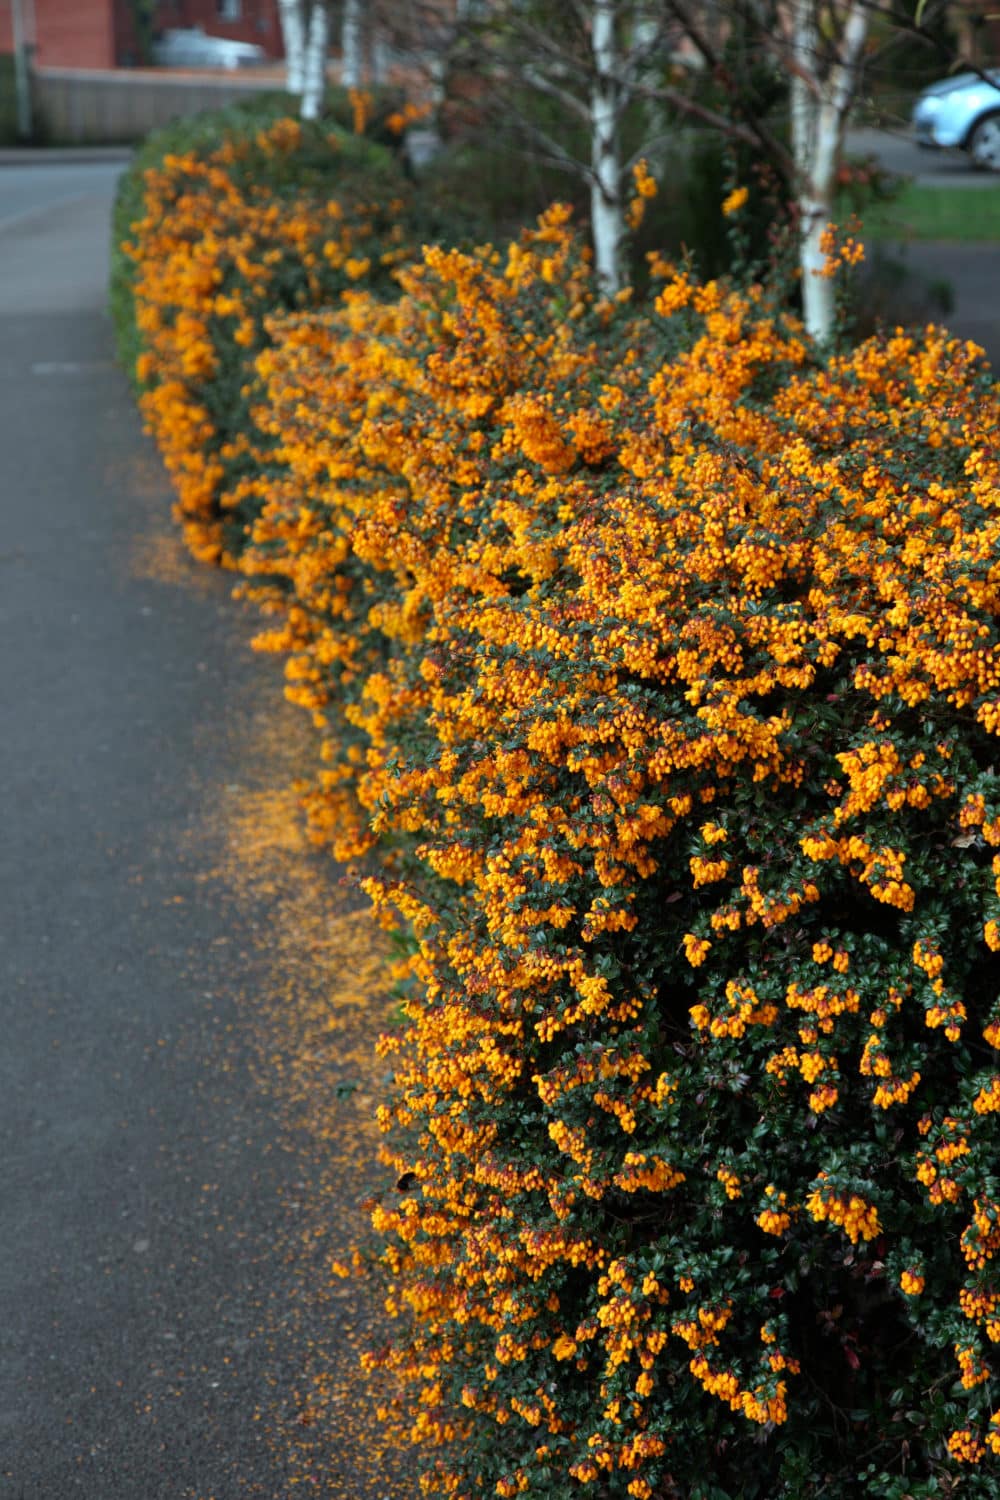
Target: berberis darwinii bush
(659, 655)
(667, 654)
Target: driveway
(899, 153)
(973, 274)
(169, 1329)
(971, 270)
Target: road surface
(897, 151)
(166, 1216)
(971, 270)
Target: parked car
(963, 111)
(191, 47)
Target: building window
(229, 10)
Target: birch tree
(587, 57)
(596, 61)
(822, 48)
(291, 14)
(825, 83)
(305, 33)
(607, 209)
(317, 45)
(351, 45)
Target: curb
(46, 156)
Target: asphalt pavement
(897, 152)
(970, 270)
(158, 1332)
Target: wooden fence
(87, 106)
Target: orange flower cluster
(216, 249)
(858, 1219)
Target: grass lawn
(937, 213)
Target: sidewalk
(165, 1295)
(899, 153)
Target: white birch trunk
(437, 86)
(816, 210)
(819, 120)
(607, 209)
(378, 52)
(645, 35)
(350, 45)
(314, 71)
(293, 36)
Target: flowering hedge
(664, 658)
(244, 219)
(660, 660)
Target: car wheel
(984, 144)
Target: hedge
(220, 221)
(657, 657)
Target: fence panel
(89, 106)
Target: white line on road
(70, 366)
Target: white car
(963, 111)
(190, 47)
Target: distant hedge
(8, 101)
(221, 220)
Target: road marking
(70, 366)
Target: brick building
(103, 34)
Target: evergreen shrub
(661, 656)
(8, 100)
(220, 221)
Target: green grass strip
(921, 212)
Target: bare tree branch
(570, 102)
(780, 47)
(724, 124)
(554, 153)
(635, 60)
(536, 40)
(759, 133)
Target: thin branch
(582, 11)
(535, 39)
(555, 153)
(636, 58)
(781, 47)
(759, 133)
(570, 102)
(911, 31)
(684, 104)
